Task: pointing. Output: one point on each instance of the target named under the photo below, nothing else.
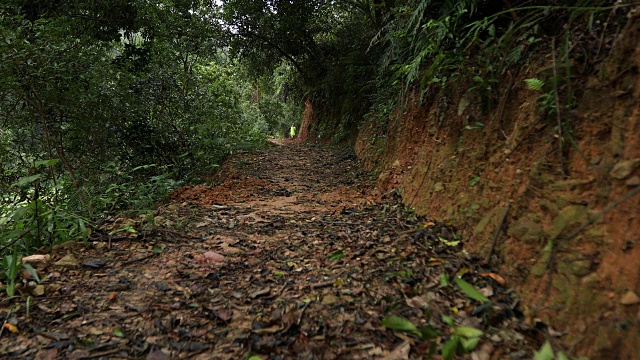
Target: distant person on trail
(292, 132)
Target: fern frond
(534, 84)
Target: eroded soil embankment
(294, 255)
(586, 285)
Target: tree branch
(273, 45)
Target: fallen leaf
(38, 290)
(468, 332)
(113, 296)
(421, 301)
(399, 353)
(223, 314)
(162, 287)
(450, 348)
(497, 278)
(12, 328)
(260, 292)
(444, 280)
(630, 298)
(270, 330)
(336, 255)
(468, 344)
(68, 260)
(545, 352)
(484, 353)
(229, 250)
(487, 291)
(376, 351)
(449, 243)
(157, 355)
(47, 354)
(398, 323)
(329, 299)
(94, 263)
(95, 331)
(470, 291)
(57, 336)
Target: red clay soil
(293, 255)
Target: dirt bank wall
(453, 162)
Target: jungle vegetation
(106, 107)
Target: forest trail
(293, 255)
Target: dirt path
(293, 256)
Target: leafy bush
(108, 93)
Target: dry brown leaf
(12, 328)
(38, 290)
(400, 353)
(68, 260)
(270, 330)
(421, 301)
(158, 355)
(261, 292)
(499, 279)
(47, 354)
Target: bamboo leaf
(469, 344)
(51, 162)
(27, 180)
(470, 291)
(450, 348)
(32, 271)
(545, 352)
(336, 255)
(469, 332)
(397, 323)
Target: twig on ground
(322, 284)
(101, 354)
(138, 259)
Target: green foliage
(546, 353)
(398, 323)
(534, 84)
(337, 255)
(130, 98)
(369, 56)
(420, 34)
(464, 339)
(470, 291)
(12, 267)
(10, 263)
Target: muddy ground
(291, 254)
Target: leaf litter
(292, 255)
